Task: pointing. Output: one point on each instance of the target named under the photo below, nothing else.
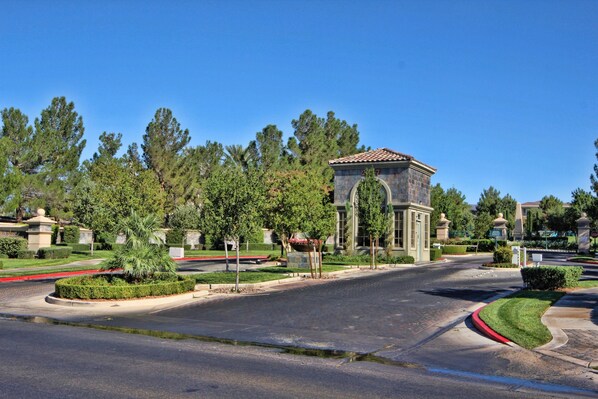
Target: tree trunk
(320, 258)
(237, 268)
(311, 265)
(226, 254)
(376, 253)
(371, 252)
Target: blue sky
(501, 93)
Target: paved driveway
(396, 309)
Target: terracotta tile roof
(379, 155)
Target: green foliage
(11, 246)
(435, 254)
(482, 225)
(452, 203)
(349, 232)
(175, 237)
(55, 233)
(258, 246)
(502, 255)
(551, 277)
(454, 249)
(268, 147)
(507, 265)
(143, 254)
(396, 260)
(184, 217)
(54, 253)
(163, 153)
(369, 207)
(26, 254)
(1, 265)
(116, 287)
(489, 206)
(71, 234)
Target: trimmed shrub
(71, 234)
(435, 253)
(454, 249)
(55, 232)
(80, 247)
(1, 265)
(502, 255)
(10, 246)
(116, 287)
(175, 238)
(396, 260)
(261, 247)
(54, 253)
(551, 277)
(26, 254)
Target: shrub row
(10, 246)
(551, 277)
(397, 260)
(114, 287)
(1, 265)
(507, 265)
(454, 249)
(435, 253)
(560, 243)
(54, 253)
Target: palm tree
(143, 254)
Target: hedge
(502, 255)
(71, 234)
(10, 246)
(254, 246)
(1, 265)
(435, 253)
(115, 287)
(175, 238)
(397, 260)
(551, 277)
(26, 254)
(507, 265)
(454, 249)
(54, 253)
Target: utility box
(537, 258)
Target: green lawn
(247, 277)
(588, 283)
(518, 317)
(18, 263)
(8, 273)
(231, 254)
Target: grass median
(518, 316)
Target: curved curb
(123, 303)
(487, 331)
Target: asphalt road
(45, 361)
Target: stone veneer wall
(406, 184)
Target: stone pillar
(583, 234)
(39, 233)
(442, 228)
(518, 232)
(500, 225)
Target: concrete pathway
(573, 322)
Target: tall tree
(163, 145)
(268, 148)
(233, 203)
(369, 204)
(452, 204)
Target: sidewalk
(573, 323)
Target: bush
(175, 238)
(502, 255)
(116, 287)
(80, 247)
(71, 234)
(10, 246)
(54, 253)
(261, 247)
(3, 256)
(454, 249)
(55, 232)
(1, 265)
(551, 277)
(435, 253)
(26, 254)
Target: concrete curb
(485, 329)
(124, 303)
(248, 285)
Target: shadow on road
(464, 293)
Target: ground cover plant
(518, 317)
